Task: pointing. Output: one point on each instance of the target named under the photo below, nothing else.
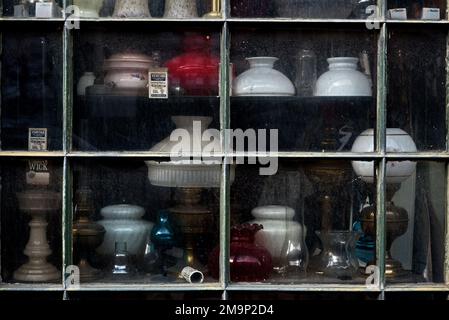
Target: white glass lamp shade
(189, 138)
(398, 141)
(263, 80)
(278, 226)
(343, 79)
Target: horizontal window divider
(32, 154)
(134, 154)
(21, 20)
(280, 154)
(30, 287)
(306, 155)
(417, 21)
(146, 287)
(303, 287)
(149, 20)
(419, 155)
(302, 20)
(417, 287)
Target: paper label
(430, 14)
(38, 173)
(45, 9)
(158, 83)
(37, 139)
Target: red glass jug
(248, 261)
(196, 71)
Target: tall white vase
(175, 9)
(131, 9)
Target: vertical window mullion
(225, 181)
(67, 213)
(381, 148)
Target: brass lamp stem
(216, 10)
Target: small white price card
(158, 83)
(37, 139)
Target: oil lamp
(215, 13)
(194, 220)
(396, 172)
(38, 203)
(87, 235)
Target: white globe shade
(397, 141)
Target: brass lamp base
(215, 12)
(195, 222)
(87, 272)
(212, 15)
(393, 269)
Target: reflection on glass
(165, 228)
(415, 225)
(326, 114)
(112, 108)
(296, 206)
(31, 221)
(416, 9)
(303, 9)
(416, 86)
(31, 90)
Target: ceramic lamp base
(32, 272)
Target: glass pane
(312, 110)
(306, 9)
(145, 231)
(31, 88)
(32, 9)
(417, 86)
(416, 219)
(113, 110)
(171, 9)
(416, 9)
(31, 229)
(311, 228)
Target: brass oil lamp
(196, 224)
(215, 13)
(396, 225)
(87, 235)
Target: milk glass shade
(397, 141)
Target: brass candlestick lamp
(215, 13)
(87, 235)
(328, 175)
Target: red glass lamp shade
(248, 261)
(196, 70)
